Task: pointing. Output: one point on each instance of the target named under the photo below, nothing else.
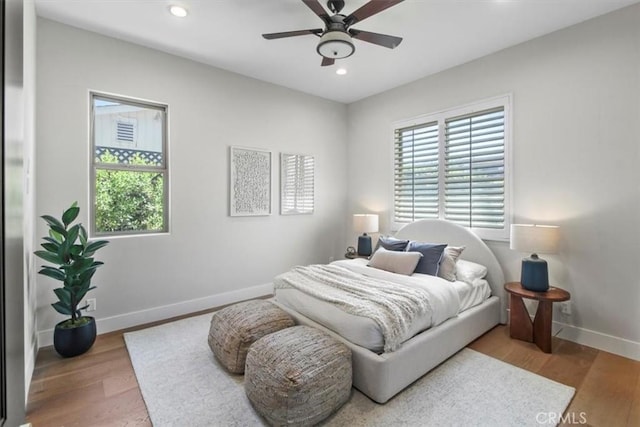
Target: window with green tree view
(129, 166)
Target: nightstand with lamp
(534, 284)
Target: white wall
(576, 98)
(207, 253)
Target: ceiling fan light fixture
(335, 45)
(178, 11)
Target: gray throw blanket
(390, 305)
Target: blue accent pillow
(431, 256)
(392, 244)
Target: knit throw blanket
(390, 305)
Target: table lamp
(535, 239)
(365, 223)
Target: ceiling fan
(335, 38)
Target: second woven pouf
(298, 376)
(235, 328)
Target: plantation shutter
(297, 176)
(474, 164)
(416, 172)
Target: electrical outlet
(331, 259)
(91, 302)
(565, 308)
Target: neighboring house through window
(129, 174)
(126, 131)
(454, 165)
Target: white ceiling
(438, 34)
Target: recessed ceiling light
(341, 71)
(178, 11)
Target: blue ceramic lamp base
(364, 245)
(535, 274)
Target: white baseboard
(610, 343)
(127, 320)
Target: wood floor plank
(526, 356)
(569, 363)
(67, 379)
(634, 413)
(605, 396)
(99, 388)
(58, 408)
(119, 383)
(92, 358)
(495, 343)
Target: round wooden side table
(520, 325)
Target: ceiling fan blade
(317, 9)
(370, 9)
(272, 36)
(375, 38)
(327, 61)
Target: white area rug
(183, 385)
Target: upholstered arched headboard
(439, 231)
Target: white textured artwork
(250, 182)
(296, 184)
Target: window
(129, 190)
(454, 165)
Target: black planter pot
(74, 341)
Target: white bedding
(447, 300)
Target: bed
(381, 375)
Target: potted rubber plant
(68, 248)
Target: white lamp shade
(365, 223)
(534, 238)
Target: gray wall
(207, 253)
(576, 133)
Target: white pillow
(447, 268)
(468, 271)
(394, 261)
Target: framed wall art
(249, 182)
(296, 184)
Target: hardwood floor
(99, 388)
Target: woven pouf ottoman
(235, 328)
(298, 376)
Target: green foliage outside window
(128, 200)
